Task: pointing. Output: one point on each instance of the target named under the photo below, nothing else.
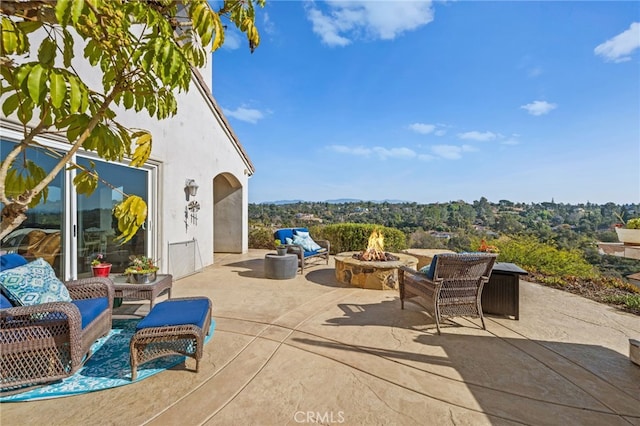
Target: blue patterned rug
(107, 368)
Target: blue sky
(438, 101)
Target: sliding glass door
(40, 235)
(70, 230)
(98, 228)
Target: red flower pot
(101, 270)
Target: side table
(501, 295)
(279, 267)
(127, 291)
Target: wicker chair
(456, 286)
(46, 342)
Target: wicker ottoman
(174, 327)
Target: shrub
(633, 223)
(355, 236)
(535, 256)
(260, 238)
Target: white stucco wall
(191, 145)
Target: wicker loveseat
(289, 237)
(49, 341)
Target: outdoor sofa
(45, 342)
(300, 243)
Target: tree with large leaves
(144, 51)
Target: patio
(313, 350)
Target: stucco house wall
(197, 143)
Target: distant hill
(336, 201)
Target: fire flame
(375, 247)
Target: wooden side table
(501, 295)
(279, 267)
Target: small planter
(281, 250)
(144, 278)
(629, 236)
(102, 270)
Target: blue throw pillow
(430, 270)
(32, 284)
(11, 260)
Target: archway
(227, 214)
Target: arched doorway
(227, 214)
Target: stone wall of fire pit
(376, 275)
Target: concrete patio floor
(311, 350)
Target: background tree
(144, 51)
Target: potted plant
(100, 267)
(280, 248)
(141, 270)
(630, 233)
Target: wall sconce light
(190, 188)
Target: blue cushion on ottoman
(177, 312)
(90, 309)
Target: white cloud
(385, 153)
(344, 21)
(232, 40)
(249, 115)
(539, 107)
(358, 150)
(534, 72)
(422, 128)
(450, 152)
(619, 48)
(478, 136)
(382, 153)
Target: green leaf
(63, 11)
(127, 99)
(47, 53)
(67, 52)
(9, 37)
(85, 182)
(28, 27)
(75, 92)
(76, 10)
(25, 111)
(36, 83)
(58, 88)
(11, 104)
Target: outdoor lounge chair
(49, 341)
(304, 252)
(452, 285)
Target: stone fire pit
(376, 275)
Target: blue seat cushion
(283, 234)
(177, 312)
(4, 302)
(90, 309)
(11, 260)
